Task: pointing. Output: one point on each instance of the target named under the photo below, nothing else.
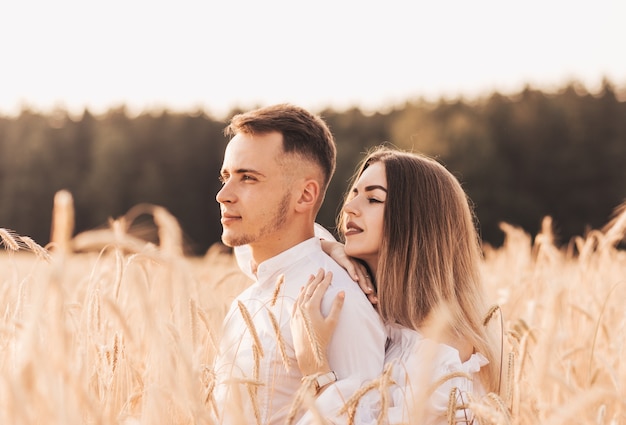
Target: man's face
(254, 199)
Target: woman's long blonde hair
(430, 253)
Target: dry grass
(125, 331)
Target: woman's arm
(357, 271)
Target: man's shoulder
(341, 278)
(343, 282)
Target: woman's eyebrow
(374, 187)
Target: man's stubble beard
(278, 220)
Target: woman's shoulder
(447, 358)
(412, 348)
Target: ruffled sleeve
(440, 367)
(422, 376)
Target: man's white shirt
(259, 383)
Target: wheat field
(106, 328)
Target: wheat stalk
(381, 383)
(304, 396)
(62, 221)
(193, 314)
(510, 380)
(257, 353)
(454, 406)
(497, 402)
(490, 313)
(281, 341)
(170, 233)
(251, 328)
(252, 392)
(452, 403)
(9, 239)
(117, 312)
(116, 352)
(486, 414)
(615, 230)
(36, 248)
(383, 388)
(211, 337)
(318, 353)
(119, 272)
(279, 284)
(257, 348)
(296, 403)
(439, 382)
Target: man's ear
(309, 195)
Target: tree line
(520, 157)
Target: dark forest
(520, 157)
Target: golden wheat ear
(279, 284)
(282, 346)
(9, 239)
(37, 249)
(318, 353)
(13, 242)
(62, 221)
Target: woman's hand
(312, 331)
(356, 270)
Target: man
(276, 169)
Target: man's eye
(247, 177)
(222, 179)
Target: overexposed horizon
(189, 55)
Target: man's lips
(229, 218)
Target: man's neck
(275, 244)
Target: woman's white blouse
(419, 363)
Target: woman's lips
(352, 229)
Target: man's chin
(232, 242)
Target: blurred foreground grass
(125, 331)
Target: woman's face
(363, 215)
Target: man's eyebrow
(248, 171)
(374, 187)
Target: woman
(407, 219)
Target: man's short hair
(304, 134)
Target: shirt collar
(244, 256)
(272, 267)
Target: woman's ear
(309, 195)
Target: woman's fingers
(351, 268)
(302, 296)
(335, 310)
(309, 290)
(367, 286)
(365, 282)
(320, 288)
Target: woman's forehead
(374, 173)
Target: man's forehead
(243, 155)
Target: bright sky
(215, 55)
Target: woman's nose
(350, 207)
